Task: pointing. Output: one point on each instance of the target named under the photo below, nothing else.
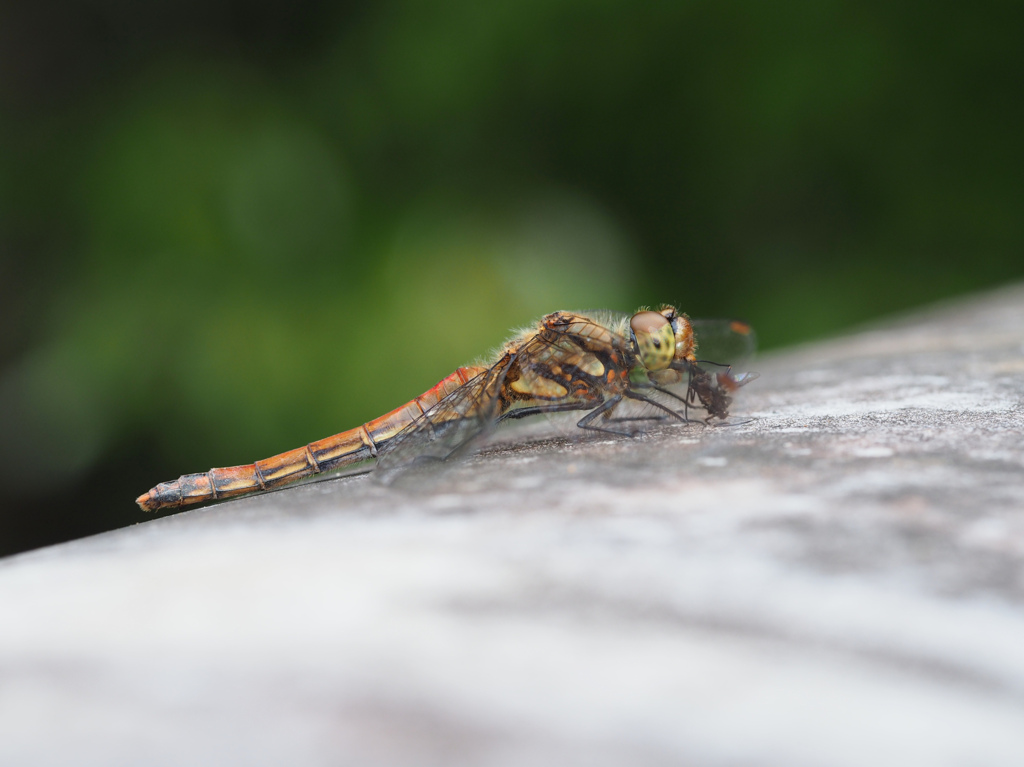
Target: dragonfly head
(662, 337)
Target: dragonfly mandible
(593, 362)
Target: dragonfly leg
(667, 410)
(658, 418)
(687, 400)
(584, 423)
(605, 407)
(716, 364)
(564, 407)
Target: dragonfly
(599, 363)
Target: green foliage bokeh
(236, 242)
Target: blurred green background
(227, 229)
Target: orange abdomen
(352, 446)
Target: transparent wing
(454, 426)
(726, 342)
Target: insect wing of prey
(592, 362)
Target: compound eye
(654, 339)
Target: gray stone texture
(839, 580)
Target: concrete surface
(839, 581)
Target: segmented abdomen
(328, 454)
